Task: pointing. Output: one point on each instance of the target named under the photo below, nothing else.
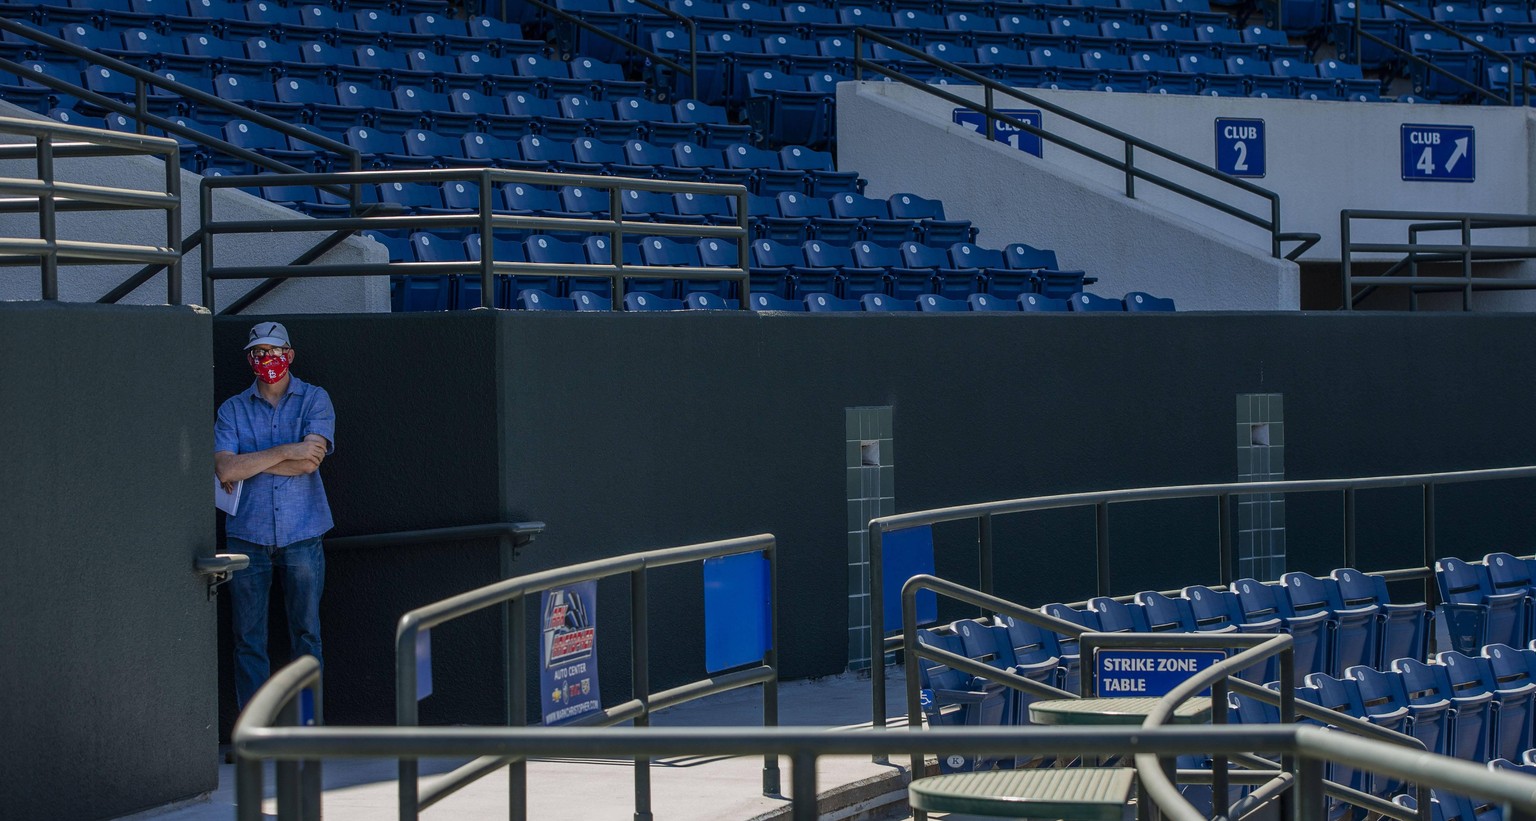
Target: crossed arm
(294, 459)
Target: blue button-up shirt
(277, 510)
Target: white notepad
(227, 502)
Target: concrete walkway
(682, 789)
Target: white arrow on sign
(1456, 155)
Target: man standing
(273, 436)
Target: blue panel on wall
(904, 554)
(735, 611)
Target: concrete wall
(106, 632)
(1323, 157)
(1130, 244)
(88, 283)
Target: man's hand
(309, 450)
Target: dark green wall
(627, 432)
(106, 634)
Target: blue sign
(736, 611)
(1439, 153)
(1240, 147)
(1130, 672)
(1003, 132)
(568, 662)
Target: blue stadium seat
(1385, 696)
(784, 109)
(1259, 602)
(414, 197)
(821, 257)
(986, 302)
(591, 301)
(897, 278)
(1092, 303)
(825, 181)
(1470, 678)
(818, 214)
(1473, 612)
(544, 115)
(1514, 683)
(1117, 616)
(999, 280)
(653, 206)
(881, 303)
(827, 303)
(1404, 627)
(650, 302)
(774, 302)
(1039, 302)
(712, 208)
(529, 200)
(951, 282)
(874, 216)
(718, 131)
(711, 161)
(936, 229)
(1220, 611)
(776, 266)
(1343, 696)
(658, 121)
(933, 303)
(700, 301)
(768, 174)
(1355, 639)
(1470, 722)
(1138, 302)
(979, 702)
(535, 300)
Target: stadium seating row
(1489, 602)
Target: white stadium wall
(1320, 158)
(88, 283)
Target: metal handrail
(692, 69)
(1465, 41)
(520, 533)
(266, 730)
(1415, 253)
(48, 196)
(1129, 142)
(984, 512)
(487, 220)
(511, 595)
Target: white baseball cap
(269, 333)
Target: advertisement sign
(568, 658)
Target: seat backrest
(796, 204)
(1038, 302)
(1358, 589)
(1468, 675)
(827, 303)
(800, 158)
(772, 302)
(1141, 302)
(552, 251)
(517, 196)
(701, 113)
(1340, 695)
(650, 302)
(1093, 303)
(599, 252)
(1212, 609)
(764, 83)
(638, 110)
(581, 107)
(647, 202)
(1460, 582)
(884, 303)
(1166, 614)
(745, 156)
(526, 104)
(542, 149)
(640, 152)
(596, 151)
(1308, 594)
(820, 254)
(857, 206)
(988, 302)
(1507, 666)
(767, 253)
(911, 206)
(1258, 601)
(666, 251)
(463, 195)
(1507, 573)
(873, 255)
(1424, 684)
(1118, 617)
(532, 65)
(506, 249)
(933, 303)
(431, 247)
(917, 255)
(718, 253)
(968, 255)
(701, 204)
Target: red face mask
(270, 368)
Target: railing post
(858, 55)
(248, 788)
(1466, 261)
(517, 704)
(309, 775)
(1130, 169)
(1101, 546)
(743, 258)
(1310, 801)
(173, 226)
(1219, 780)
(1274, 224)
(289, 798)
(803, 786)
(408, 789)
(984, 551)
(1347, 302)
(991, 121)
(140, 105)
(1349, 527)
(1224, 530)
(616, 248)
(640, 682)
(771, 784)
(487, 244)
(693, 58)
(876, 632)
(912, 667)
(205, 248)
(1431, 554)
(47, 223)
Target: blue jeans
(303, 567)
